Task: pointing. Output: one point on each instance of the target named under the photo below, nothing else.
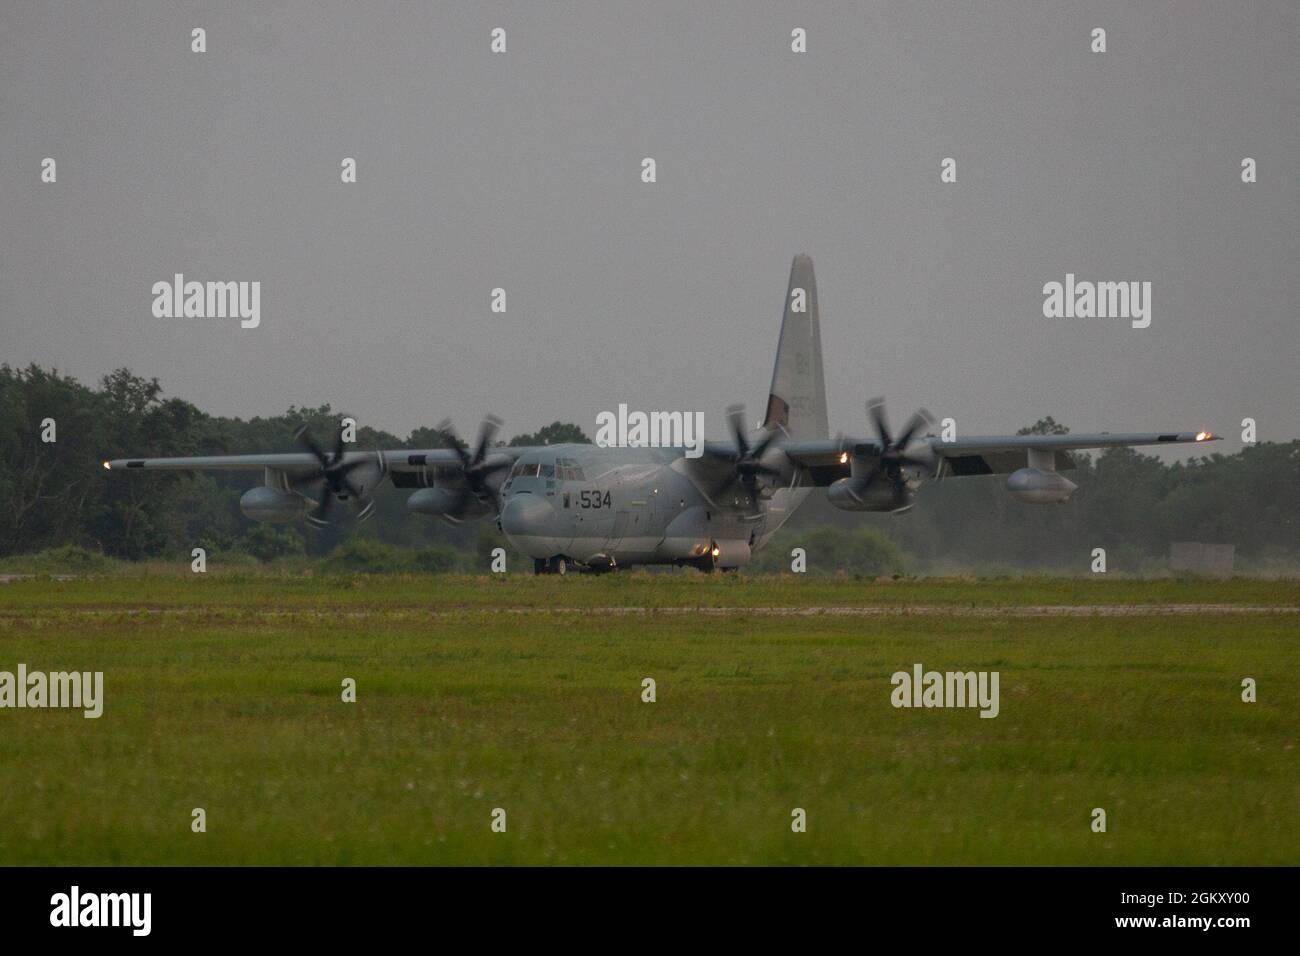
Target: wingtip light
(1204, 436)
(108, 466)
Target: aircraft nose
(526, 514)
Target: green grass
(262, 591)
(224, 693)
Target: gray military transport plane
(587, 507)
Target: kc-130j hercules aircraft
(583, 506)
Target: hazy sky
(522, 171)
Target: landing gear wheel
(558, 565)
(539, 566)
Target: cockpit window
(566, 469)
(524, 469)
(547, 471)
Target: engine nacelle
(432, 501)
(445, 503)
(272, 504)
(1040, 487)
(852, 494)
(731, 554)
(687, 535)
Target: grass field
(223, 692)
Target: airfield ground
(224, 692)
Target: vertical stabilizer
(797, 401)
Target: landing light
(1203, 436)
(716, 551)
(107, 466)
(844, 458)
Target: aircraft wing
(399, 460)
(1002, 454)
(827, 458)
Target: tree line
(56, 493)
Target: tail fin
(797, 402)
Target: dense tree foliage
(54, 494)
(556, 433)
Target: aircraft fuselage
(613, 507)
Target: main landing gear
(556, 565)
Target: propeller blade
(487, 431)
(757, 451)
(304, 437)
(745, 459)
(892, 457)
(333, 474)
(736, 419)
(919, 421)
(320, 516)
(350, 466)
(474, 466)
(876, 411)
(453, 441)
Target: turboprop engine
(477, 492)
(341, 476)
(744, 482)
(1040, 487)
(272, 504)
(884, 474)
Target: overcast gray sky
(523, 171)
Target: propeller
(337, 477)
(893, 456)
(746, 460)
(474, 466)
